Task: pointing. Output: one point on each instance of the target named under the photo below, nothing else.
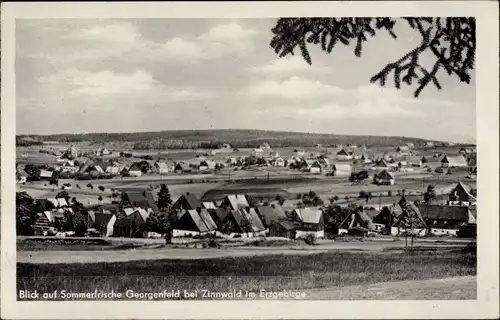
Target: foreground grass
(274, 273)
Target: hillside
(214, 138)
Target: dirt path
(456, 288)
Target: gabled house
(316, 167)
(384, 178)
(207, 165)
(243, 222)
(187, 201)
(102, 222)
(270, 214)
(357, 223)
(135, 170)
(131, 225)
(182, 167)
(138, 199)
(160, 168)
(403, 150)
(414, 161)
(453, 162)
(461, 195)
(341, 169)
(410, 222)
(190, 220)
(285, 229)
(235, 201)
(388, 216)
(445, 220)
(310, 222)
(278, 162)
(344, 154)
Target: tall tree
(451, 41)
(430, 194)
(164, 199)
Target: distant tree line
(212, 139)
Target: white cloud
(292, 88)
(288, 64)
(121, 32)
(227, 33)
(218, 42)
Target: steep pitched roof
(384, 174)
(207, 219)
(161, 165)
(309, 215)
(270, 214)
(190, 200)
(202, 227)
(463, 189)
(457, 161)
(254, 220)
(236, 201)
(142, 199)
(99, 218)
(439, 212)
(208, 205)
(219, 213)
(358, 219)
(135, 167)
(287, 225)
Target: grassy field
(271, 273)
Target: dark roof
(270, 214)
(100, 218)
(135, 167)
(438, 212)
(221, 213)
(189, 199)
(385, 175)
(285, 224)
(142, 199)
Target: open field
(125, 249)
(252, 273)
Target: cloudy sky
(76, 76)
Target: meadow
(253, 273)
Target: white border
(486, 13)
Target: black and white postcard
(250, 160)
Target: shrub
(310, 239)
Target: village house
(344, 154)
(138, 199)
(310, 222)
(445, 220)
(218, 216)
(47, 220)
(357, 223)
(466, 151)
(192, 220)
(102, 222)
(384, 178)
(135, 170)
(278, 162)
(187, 201)
(462, 195)
(270, 214)
(131, 223)
(160, 168)
(235, 201)
(410, 222)
(299, 153)
(403, 150)
(341, 169)
(207, 165)
(453, 162)
(388, 216)
(413, 161)
(315, 167)
(243, 222)
(45, 174)
(285, 229)
(182, 167)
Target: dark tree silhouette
(164, 198)
(452, 41)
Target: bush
(310, 239)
